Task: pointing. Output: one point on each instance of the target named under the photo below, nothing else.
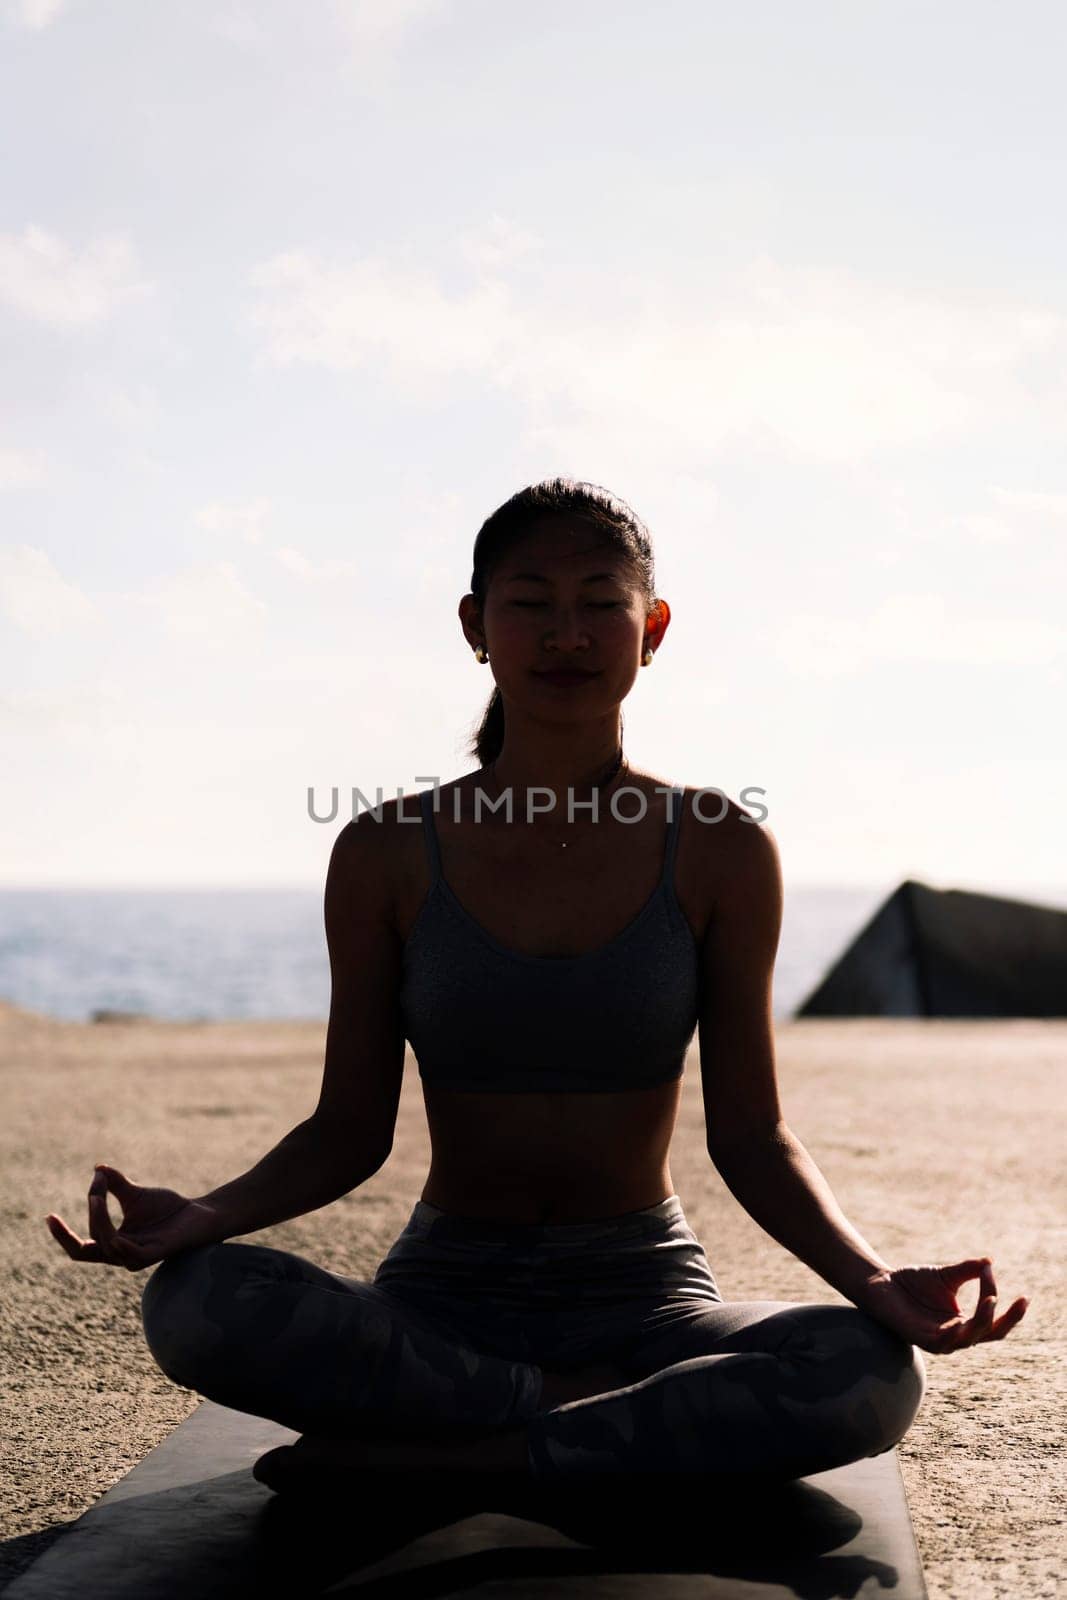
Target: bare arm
(764, 1164)
(303, 1172)
(783, 1190)
(349, 1134)
(760, 1159)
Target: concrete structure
(949, 953)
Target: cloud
(318, 572)
(1026, 515)
(497, 244)
(374, 36)
(208, 604)
(814, 363)
(238, 27)
(239, 517)
(76, 706)
(132, 407)
(1031, 500)
(380, 25)
(36, 597)
(43, 277)
(911, 628)
(204, 603)
(980, 527)
(371, 314)
(35, 14)
(22, 469)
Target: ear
(656, 622)
(470, 616)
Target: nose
(565, 629)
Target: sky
(293, 295)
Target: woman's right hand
(155, 1223)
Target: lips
(573, 676)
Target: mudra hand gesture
(920, 1304)
(155, 1223)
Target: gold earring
(481, 653)
(646, 659)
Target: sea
(208, 955)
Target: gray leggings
(451, 1335)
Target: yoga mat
(190, 1521)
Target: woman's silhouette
(548, 931)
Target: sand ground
(940, 1139)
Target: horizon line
(994, 887)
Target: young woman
(548, 935)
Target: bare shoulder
(370, 838)
(380, 827)
(736, 852)
(368, 854)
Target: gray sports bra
(482, 1017)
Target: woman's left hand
(920, 1304)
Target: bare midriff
(558, 1157)
(550, 1156)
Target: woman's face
(560, 599)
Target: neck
(577, 779)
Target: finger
(982, 1321)
(135, 1256)
(129, 1254)
(979, 1326)
(960, 1272)
(101, 1227)
(983, 1328)
(988, 1283)
(951, 1336)
(118, 1183)
(77, 1249)
(115, 1245)
(1011, 1318)
(98, 1192)
(109, 1254)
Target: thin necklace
(598, 787)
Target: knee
(864, 1380)
(884, 1383)
(180, 1311)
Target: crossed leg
(266, 1331)
(740, 1387)
(766, 1387)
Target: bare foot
(316, 1461)
(417, 1486)
(312, 1461)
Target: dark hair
(570, 501)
